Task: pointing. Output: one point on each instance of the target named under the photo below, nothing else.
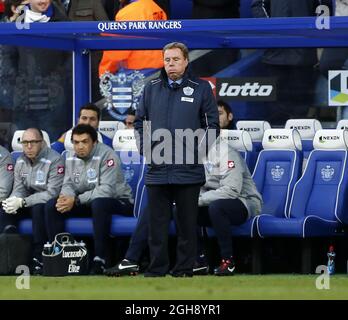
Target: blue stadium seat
(256, 130)
(277, 170)
(307, 129)
(134, 168)
(319, 201)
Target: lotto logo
(60, 170)
(230, 164)
(10, 167)
(110, 163)
(247, 89)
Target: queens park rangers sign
(122, 91)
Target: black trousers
(101, 210)
(37, 214)
(139, 239)
(221, 215)
(160, 199)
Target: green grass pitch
(200, 287)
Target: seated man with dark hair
(129, 121)
(93, 184)
(89, 114)
(225, 115)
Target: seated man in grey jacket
(6, 174)
(38, 177)
(229, 197)
(94, 185)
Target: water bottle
(56, 248)
(47, 250)
(331, 261)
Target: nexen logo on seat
(322, 139)
(125, 138)
(250, 129)
(107, 129)
(271, 138)
(247, 89)
(301, 127)
(230, 138)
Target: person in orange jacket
(136, 10)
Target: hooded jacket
(139, 10)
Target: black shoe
(226, 268)
(181, 274)
(36, 267)
(201, 266)
(125, 267)
(98, 267)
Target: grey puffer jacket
(40, 181)
(228, 177)
(97, 176)
(6, 173)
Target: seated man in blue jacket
(89, 114)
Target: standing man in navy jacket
(172, 103)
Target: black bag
(65, 257)
(15, 250)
